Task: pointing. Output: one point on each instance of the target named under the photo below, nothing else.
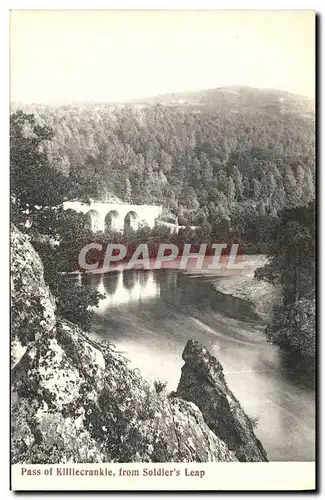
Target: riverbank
(242, 284)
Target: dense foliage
(292, 265)
(36, 187)
(202, 162)
(37, 191)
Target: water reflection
(124, 288)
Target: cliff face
(74, 400)
(32, 305)
(294, 327)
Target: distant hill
(236, 97)
(231, 98)
(205, 156)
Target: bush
(254, 421)
(74, 302)
(73, 299)
(159, 386)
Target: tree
(188, 198)
(238, 180)
(231, 190)
(36, 187)
(292, 265)
(206, 169)
(128, 191)
(308, 188)
(261, 208)
(290, 187)
(37, 191)
(257, 189)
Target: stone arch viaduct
(116, 216)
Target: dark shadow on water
(187, 294)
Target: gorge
(75, 399)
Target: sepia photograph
(162, 249)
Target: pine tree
(238, 180)
(261, 208)
(308, 188)
(257, 189)
(290, 187)
(128, 191)
(231, 191)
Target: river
(150, 315)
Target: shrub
(254, 421)
(159, 386)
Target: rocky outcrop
(75, 400)
(32, 305)
(294, 327)
(203, 383)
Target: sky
(59, 56)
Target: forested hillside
(209, 157)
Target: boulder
(203, 383)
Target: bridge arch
(111, 220)
(132, 220)
(94, 220)
(120, 214)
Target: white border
(167, 4)
(317, 5)
(211, 476)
